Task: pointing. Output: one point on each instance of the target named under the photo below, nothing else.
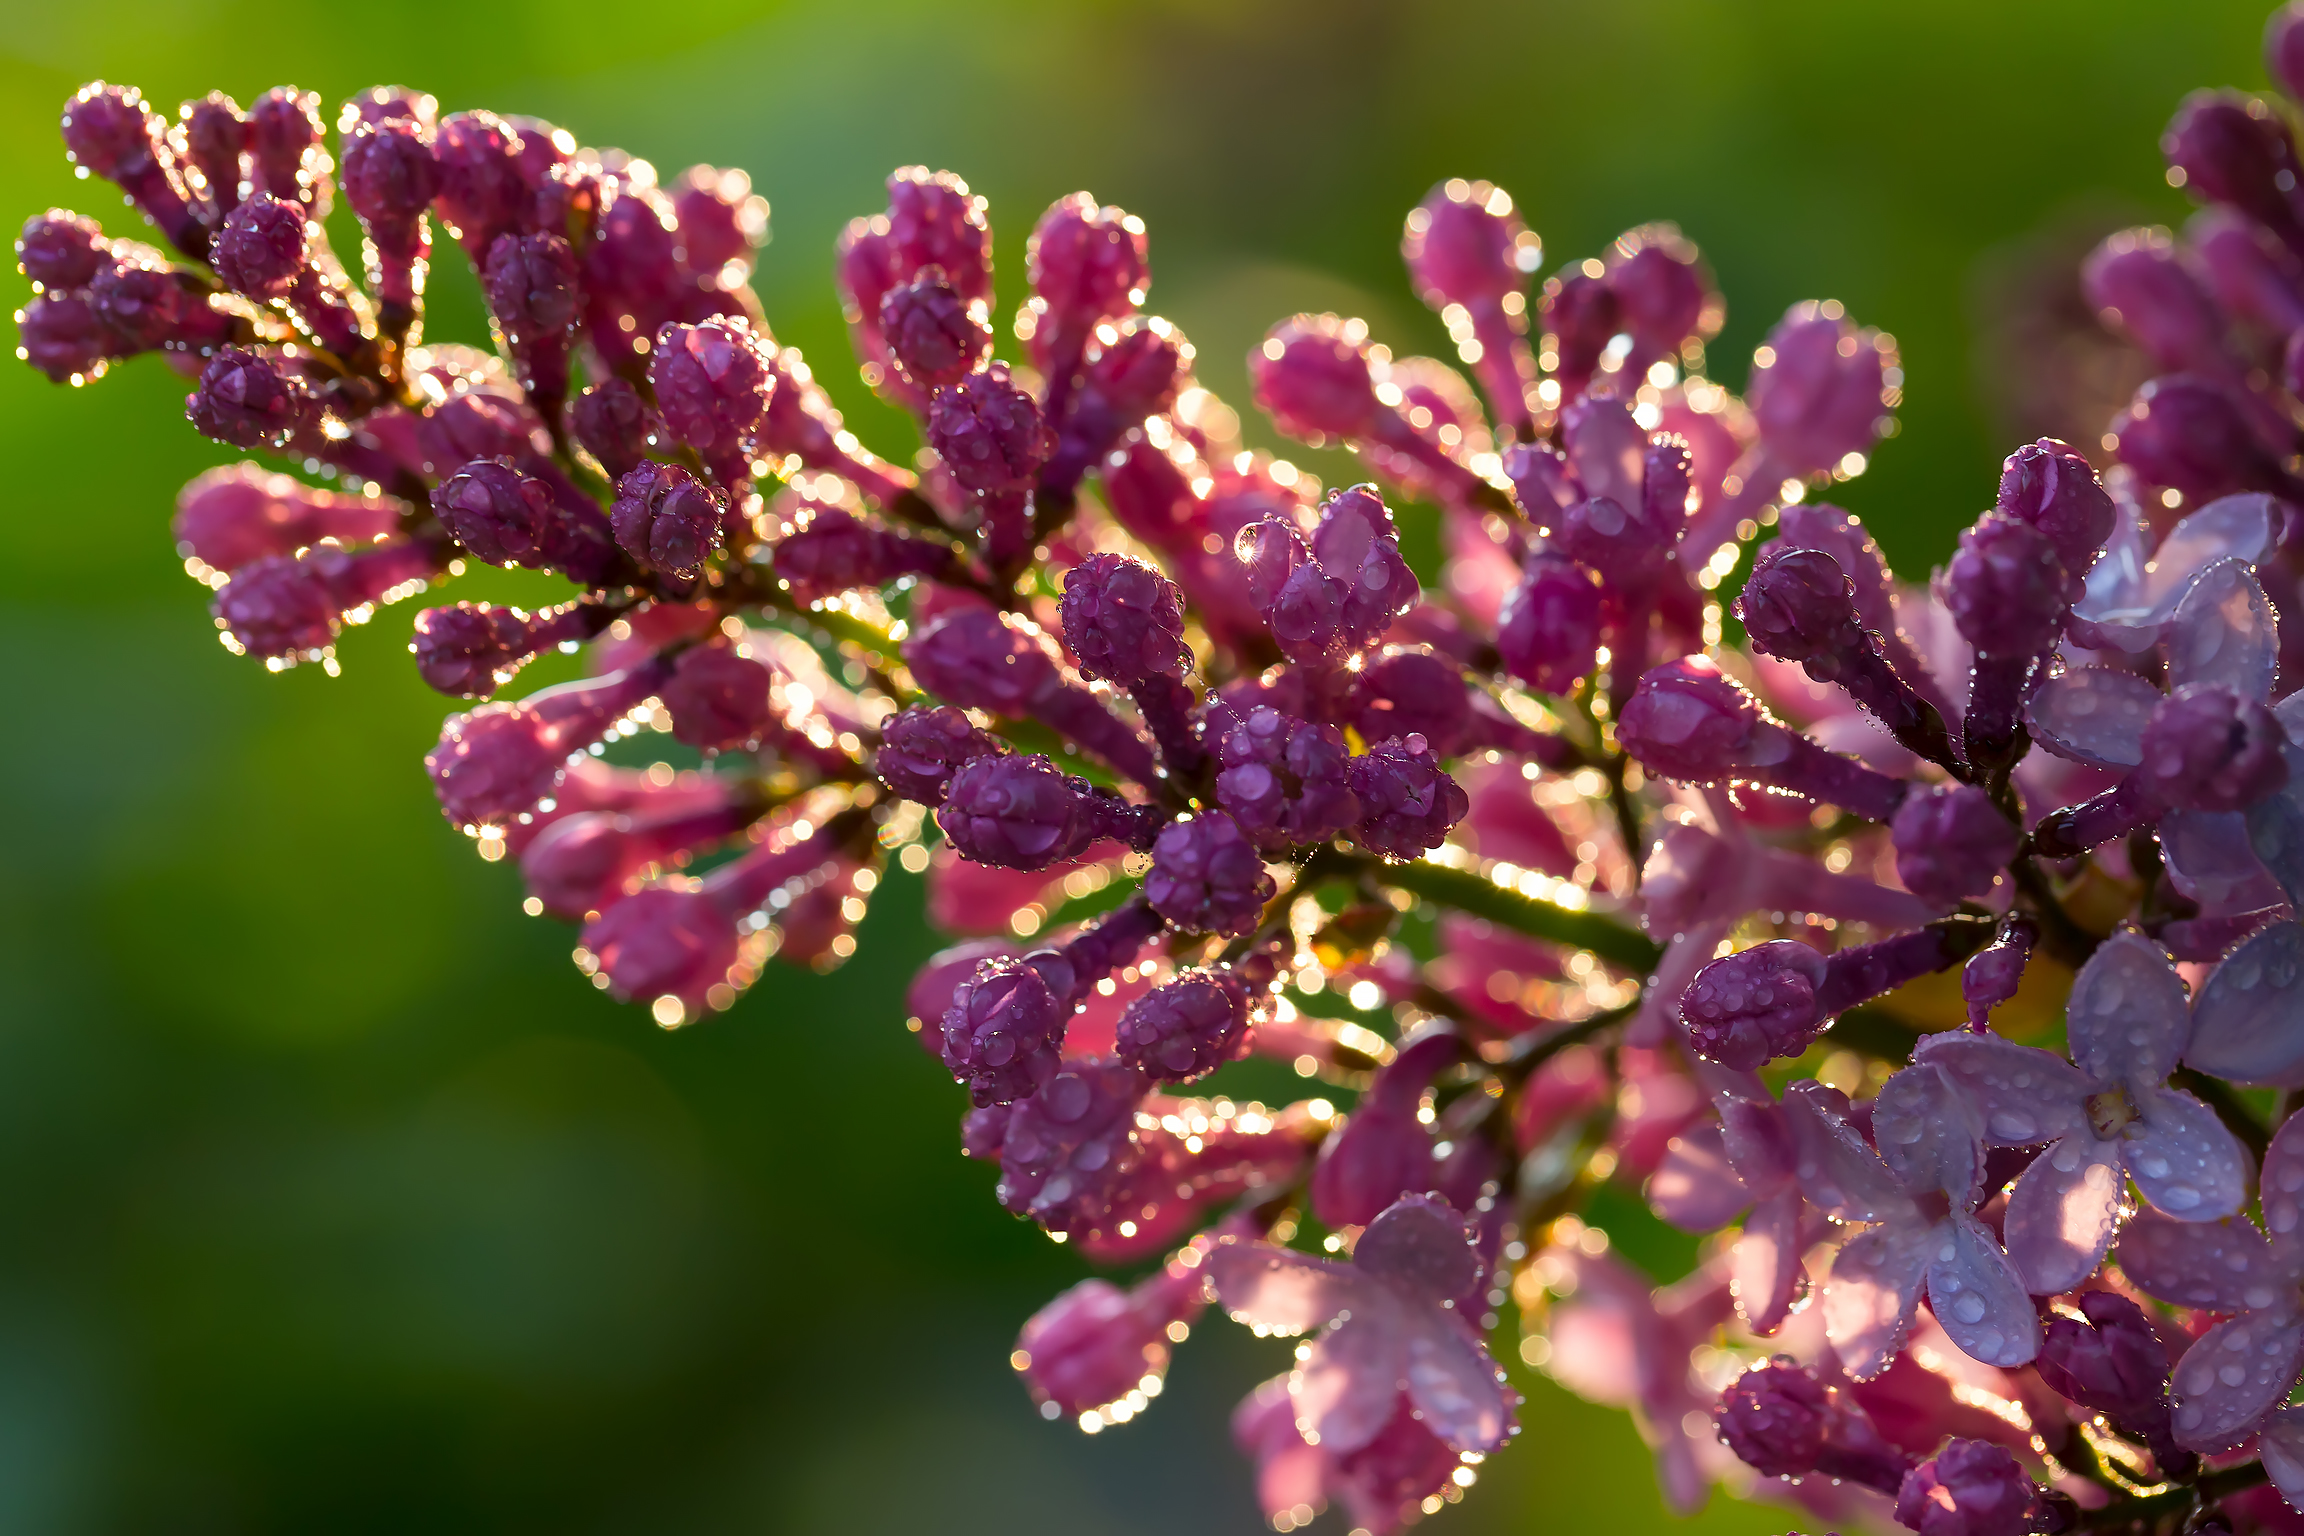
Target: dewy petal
(2238, 1371)
(1695, 1188)
(2129, 1019)
(2186, 1161)
(2062, 1215)
(2224, 633)
(2281, 1447)
(1280, 1290)
(1875, 1284)
(2212, 859)
(2093, 715)
(1764, 1268)
(2237, 528)
(1977, 1297)
(1453, 1383)
(1345, 1386)
(2248, 1021)
(2213, 1266)
(2276, 824)
(1929, 1133)
(1839, 1173)
(2021, 1093)
(2281, 1188)
(1420, 1247)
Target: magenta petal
(2281, 1447)
(1453, 1384)
(1346, 1385)
(1841, 1175)
(2129, 1018)
(2093, 715)
(2215, 1266)
(2184, 1159)
(2238, 1371)
(2063, 1213)
(1279, 1290)
(1875, 1285)
(2022, 1094)
(1420, 1246)
(1977, 1298)
(2224, 633)
(1764, 1269)
(1695, 1188)
(1929, 1133)
(2244, 1018)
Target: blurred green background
(332, 1198)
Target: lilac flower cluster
(1553, 885)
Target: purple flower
(1970, 1488)
(1821, 389)
(1186, 1028)
(247, 399)
(497, 513)
(982, 660)
(1206, 875)
(1390, 1326)
(935, 336)
(664, 518)
(1951, 843)
(614, 424)
(1469, 256)
(1072, 1144)
(1124, 620)
(713, 383)
(1023, 812)
(2112, 1360)
(1003, 1033)
(1384, 1150)
(1782, 1422)
(1098, 1347)
(988, 432)
(470, 650)
(1745, 1009)
(924, 746)
(1548, 631)
(1285, 780)
(1407, 803)
(1688, 720)
(717, 699)
(61, 250)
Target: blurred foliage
(334, 1199)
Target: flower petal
(2281, 1448)
(2021, 1093)
(1349, 1379)
(1869, 1298)
(2093, 715)
(1929, 1132)
(1695, 1188)
(2276, 824)
(2239, 528)
(2281, 1186)
(2187, 1162)
(2248, 1021)
(1977, 1297)
(1764, 1268)
(2238, 1371)
(2214, 1266)
(1277, 1289)
(1840, 1174)
(1420, 1246)
(2223, 632)
(2128, 1018)
(1454, 1384)
(2062, 1215)
(2211, 859)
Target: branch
(1611, 940)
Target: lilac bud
(935, 336)
(2113, 1362)
(721, 221)
(1548, 631)
(496, 762)
(1746, 1009)
(1950, 843)
(1299, 603)
(1465, 245)
(1820, 388)
(285, 155)
(1414, 693)
(982, 1131)
(1688, 720)
(1662, 293)
(1994, 972)
(1286, 780)
(1019, 812)
(247, 400)
(1581, 315)
(1970, 1488)
(390, 175)
(971, 658)
(2006, 588)
(2253, 276)
(216, 144)
(262, 251)
(470, 650)
(1773, 1417)
(1071, 1144)
(228, 516)
(147, 304)
(924, 746)
(60, 334)
(988, 432)
(2227, 148)
(665, 518)
(110, 132)
(2185, 433)
(614, 424)
(581, 864)
(1383, 1150)
(717, 699)
(1086, 264)
(61, 250)
(1357, 547)
(664, 941)
(1124, 621)
(2050, 486)
(1187, 1028)
(1798, 605)
(712, 384)
(1206, 876)
(1407, 802)
(2208, 749)
(2139, 279)
(1312, 378)
(2284, 49)
(477, 424)
(530, 283)
(482, 193)
(1096, 1344)
(499, 514)
(835, 551)
(934, 220)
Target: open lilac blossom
(1742, 1162)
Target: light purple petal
(2213, 1266)
(2224, 633)
(2129, 1018)
(1789, 882)
(2212, 860)
(2281, 1447)
(1840, 1174)
(2114, 602)
(2281, 1187)
(1875, 1285)
(2248, 1021)
(1277, 1289)
(1754, 1130)
(1604, 447)
(1977, 1297)
(1350, 1381)
(1419, 1246)
(2276, 824)
(2237, 1372)
(1764, 1268)
(2186, 1161)
(2064, 1210)
(2093, 715)
(1695, 1188)
(2239, 528)
(1929, 1132)
(2021, 1093)
(1453, 1383)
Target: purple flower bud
(478, 424)
(982, 1131)
(1773, 1417)
(1970, 1488)
(1798, 605)
(835, 551)
(2254, 277)
(1688, 720)
(1299, 602)
(921, 748)
(1086, 264)
(664, 941)
(2006, 588)
(216, 144)
(1206, 876)
(1548, 631)
(1407, 803)
(284, 147)
(482, 193)
(2228, 148)
(2208, 749)
(1071, 1144)
(716, 698)
(934, 220)
(2140, 280)
(721, 221)
(293, 605)
(1662, 293)
(1820, 388)
(1287, 781)
(62, 250)
(1186, 1029)
(2050, 486)
(1994, 972)
(1465, 245)
(262, 250)
(1124, 620)
(971, 658)
(496, 762)
(470, 650)
(667, 519)
(580, 865)
(228, 516)
(1019, 812)
(2185, 433)
(1414, 693)
(1950, 843)
(713, 383)
(1746, 1009)
(500, 515)
(1311, 377)
(614, 424)
(935, 336)
(1581, 315)
(110, 132)
(2113, 1362)
(390, 175)
(1357, 547)
(247, 400)
(60, 334)
(1383, 1150)
(147, 304)
(1096, 1344)
(988, 432)
(530, 283)
(2284, 49)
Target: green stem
(1611, 940)
(2132, 1512)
